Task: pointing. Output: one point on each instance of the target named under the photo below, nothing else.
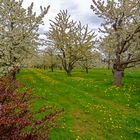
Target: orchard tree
(30, 59)
(122, 22)
(18, 32)
(86, 62)
(89, 60)
(50, 57)
(36, 60)
(71, 39)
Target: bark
(44, 67)
(52, 68)
(18, 70)
(67, 67)
(13, 72)
(118, 75)
(86, 69)
(69, 72)
(14, 76)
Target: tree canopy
(122, 23)
(71, 39)
(18, 32)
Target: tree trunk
(60, 68)
(52, 68)
(67, 67)
(86, 69)
(69, 72)
(18, 70)
(44, 67)
(14, 76)
(13, 72)
(118, 75)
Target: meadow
(93, 108)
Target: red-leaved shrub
(17, 121)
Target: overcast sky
(78, 9)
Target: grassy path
(93, 108)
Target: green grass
(93, 108)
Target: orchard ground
(93, 108)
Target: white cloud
(78, 9)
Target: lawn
(93, 108)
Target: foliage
(72, 40)
(122, 25)
(108, 50)
(51, 58)
(17, 121)
(19, 35)
(89, 60)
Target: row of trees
(122, 33)
(69, 43)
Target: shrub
(17, 121)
